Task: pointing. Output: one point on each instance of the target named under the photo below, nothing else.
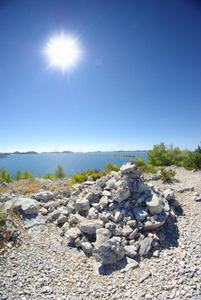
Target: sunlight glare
(63, 52)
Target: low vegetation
(96, 174)
(58, 174)
(162, 155)
(167, 175)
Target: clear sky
(137, 81)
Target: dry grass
(30, 186)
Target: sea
(73, 163)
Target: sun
(63, 52)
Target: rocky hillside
(143, 234)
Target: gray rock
(132, 264)
(131, 223)
(87, 247)
(90, 226)
(110, 251)
(62, 219)
(44, 196)
(118, 216)
(71, 234)
(90, 178)
(26, 205)
(119, 197)
(144, 276)
(145, 246)
(169, 194)
(140, 213)
(92, 214)
(154, 204)
(81, 205)
(126, 230)
(130, 251)
(102, 235)
(66, 192)
(32, 220)
(54, 215)
(150, 225)
(104, 201)
(111, 184)
(128, 167)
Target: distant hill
(28, 152)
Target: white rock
(154, 204)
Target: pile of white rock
(109, 218)
(106, 217)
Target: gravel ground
(41, 266)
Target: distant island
(3, 155)
(28, 152)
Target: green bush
(167, 175)
(5, 176)
(111, 167)
(193, 160)
(144, 166)
(59, 172)
(48, 176)
(162, 155)
(96, 174)
(19, 175)
(27, 175)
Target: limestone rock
(81, 205)
(26, 205)
(110, 251)
(87, 247)
(154, 204)
(169, 194)
(90, 226)
(127, 168)
(71, 234)
(140, 213)
(130, 251)
(102, 235)
(145, 246)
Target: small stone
(144, 276)
(118, 216)
(156, 253)
(87, 247)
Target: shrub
(167, 175)
(144, 166)
(19, 175)
(59, 172)
(162, 155)
(48, 176)
(27, 175)
(5, 176)
(111, 167)
(193, 160)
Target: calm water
(73, 163)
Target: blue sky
(137, 81)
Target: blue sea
(73, 163)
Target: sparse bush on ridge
(144, 166)
(167, 175)
(111, 167)
(96, 174)
(58, 173)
